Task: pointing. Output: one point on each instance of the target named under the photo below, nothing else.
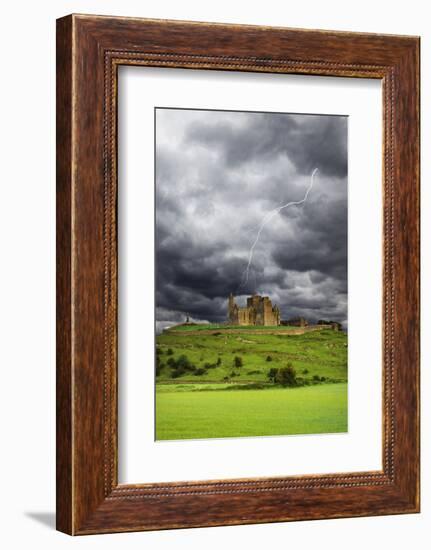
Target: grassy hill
(322, 353)
(212, 381)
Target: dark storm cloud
(218, 174)
(323, 242)
(307, 140)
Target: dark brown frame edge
(89, 50)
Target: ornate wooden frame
(89, 51)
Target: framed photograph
(237, 274)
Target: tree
(286, 376)
(180, 366)
(272, 373)
(183, 362)
(237, 361)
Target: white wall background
(27, 289)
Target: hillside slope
(211, 356)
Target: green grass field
(210, 398)
(207, 414)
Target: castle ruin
(258, 311)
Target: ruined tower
(259, 311)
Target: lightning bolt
(266, 219)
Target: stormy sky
(218, 174)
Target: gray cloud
(307, 140)
(217, 175)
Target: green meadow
(280, 411)
(215, 381)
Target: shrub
(199, 371)
(180, 366)
(286, 376)
(305, 371)
(238, 361)
(322, 378)
(219, 361)
(272, 373)
(269, 358)
(170, 351)
(183, 362)
(316, 378)
(177, 373)
(159, 351)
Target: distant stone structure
(334, 324)
(258, 311)
(295, 322)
